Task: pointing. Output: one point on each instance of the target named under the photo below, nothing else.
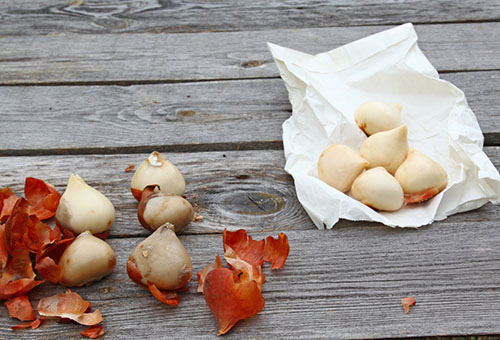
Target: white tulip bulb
(339, 165)
(157, 170)
(378, 189)
(86, 260)
(373, 117)
(387, 149)
(162, 260)
(155, 209)
(84, 208)
(421, 177)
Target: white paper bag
(325, 90)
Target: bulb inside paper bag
(325, 90)
(387, 149)
(373, 117)
(421, 177)
(378, 189)
(339, 165)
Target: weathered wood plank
(139, 116)
(51, 16)
(188, 116)
(129, 58)
(235, 189)
(337, 284)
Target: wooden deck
(91, 86)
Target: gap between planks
(490, 141)
(172, 148)
(131, 82)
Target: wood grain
(234, 189)
(112, 16)
(217, 115)
(343, 283)
(162, 57)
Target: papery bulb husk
(378, 189)
(157, 209)
(421, 177)
(84, 208)
(162, 260)
(339, 165)
(373, 117)
(387, 149)
(158, 170)
(86, 260)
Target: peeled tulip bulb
(387, 149)
(86, 260)
(84, 208)
(420, 177)
(339, 165)
(156, 169)
(155, 209)
(162, 260)
(373, 117)
(378, 189)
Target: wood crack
(256, 203)
(178, 148)
(133, 82)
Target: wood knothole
(186, 113)
(252, 63)
(254, 203)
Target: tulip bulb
(378, 189)
(156, 209)
(387, 149)
(84, 208)
(420, 177)
(158, 170)
(339, 165)
(373, 117)
(162, 260)
(86, 260)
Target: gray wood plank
(190, 116)
(343, 283)
(163, 57)
(51, 16)
(235, 189)
(140, 116)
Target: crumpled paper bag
(325, 90)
